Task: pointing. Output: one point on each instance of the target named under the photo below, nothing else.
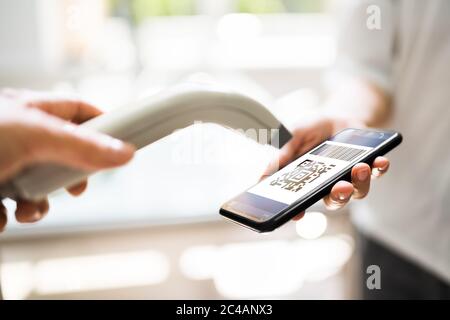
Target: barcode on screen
(338, 152)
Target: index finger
(61, 105)
(71, 110)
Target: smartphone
(278, 198)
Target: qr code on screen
(304, 173)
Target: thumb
(70, 145)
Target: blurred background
(151, 230)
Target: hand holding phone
(277, 199)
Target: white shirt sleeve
(365, 43)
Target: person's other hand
(307, 136)
(42, 128)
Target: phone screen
(302, 176)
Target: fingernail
(114, 144)
(383, 168)
(363, 174)
(36, 216)
(342, 196)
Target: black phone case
(291, 212)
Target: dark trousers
(400, 278)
